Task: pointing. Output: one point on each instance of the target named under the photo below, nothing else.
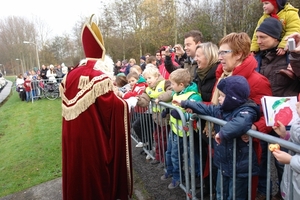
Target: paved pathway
(5, 91)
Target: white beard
(106, 66)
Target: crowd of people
(226, 81)
(30, 84)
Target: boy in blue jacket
(183, 89)
(240, 113)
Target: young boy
(157, 88)
(286, 14)
(27, 87)
(137, 84)
(291, 161)
(240, 113)
(183, 89)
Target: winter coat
(27, 85)
(171, 61)
(44, 73)
(51, 75)
(188, 93)
(167, 96)
(270, 65)
(239, 121)
(59, 73)
(117, 70)
(192, 87)
(295, 63)
(294, 166)
(137, 89)
(187, 64)
(127, 70)
(259, 86)
(290, 23)
(206, 86)
(144, 99)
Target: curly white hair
(106, 65)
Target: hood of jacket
(141, 79)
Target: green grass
(30, 143)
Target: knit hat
(281, 4)
(271, 27)
(143, 58)
(237, 91)
(121, 74)
(273, 2)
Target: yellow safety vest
(153, 94)
(176, 124)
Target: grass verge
(30, 143)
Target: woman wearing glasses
(236, 59)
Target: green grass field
(30, 143)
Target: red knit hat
(274, 3)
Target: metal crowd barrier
(44, 88)
(188, 178)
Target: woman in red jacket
(236, 59)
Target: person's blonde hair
(181, 76)
(136, 68)
(132, 60)
(210, 52)
(153, 71)
(239, 43)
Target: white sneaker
(140, 144)
(148, 157)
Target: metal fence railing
(41, 89)
(152, 130)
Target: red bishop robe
(96, 143)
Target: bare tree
(13, 31)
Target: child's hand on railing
(188, 110)
(177, 102)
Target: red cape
(96, 142)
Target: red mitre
(92, 41)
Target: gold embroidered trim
(83, 81)
(128, 148)
(91, 91)
(61, 85)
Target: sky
(58, 15)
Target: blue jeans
(172, 157)
(28, 94)
(241, 189)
